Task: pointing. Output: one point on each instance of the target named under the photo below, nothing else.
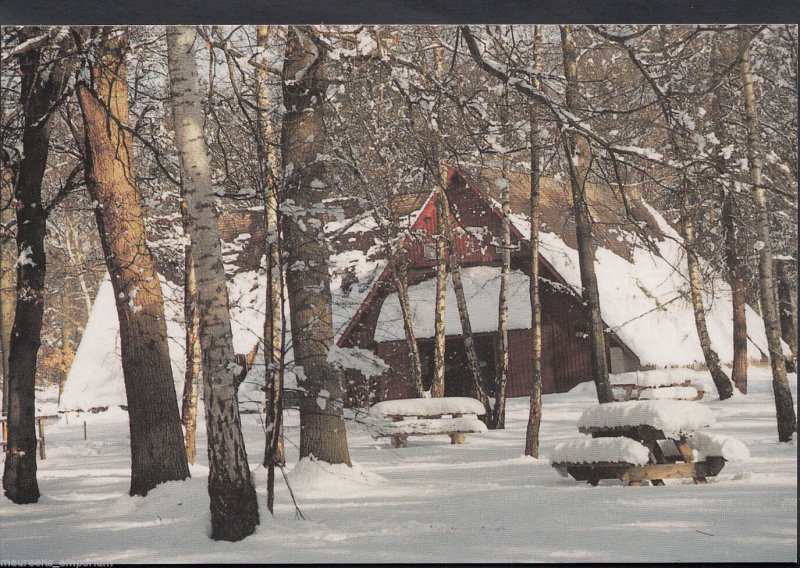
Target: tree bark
(157, 451)
(439, 331)
(721, 381)
(234, 509)
(193, 359)
(498, 418)
(463, 312)
(736, 275)
(400, 277)
(7, 282)
(322, 428)
(439, 337)
(274, 453)
(575, 145)
(787, 300)
(784, 405)
(535, 407)
(38, 95)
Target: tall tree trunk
(463, 312)
(575, 146)
(787, 300)
(721, 381)
(194, 353)
(157, 451)
(274, 453)
(234, 508)
(535, 408)
(736, 275)
(400, 277)
(439, 337)
(498, 419)
(7, 285)
(439, 331)
(784, 405)
(322, 428)
(38, 95)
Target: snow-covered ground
(478, 502)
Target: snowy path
(479, 502)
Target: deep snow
(478, 502)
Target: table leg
(628, 390)
(658, 457)
(688, 456)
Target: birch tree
(274, 453)
(784, 405)
(535, 406)
(234, 509)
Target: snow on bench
(669, 393)
(601, 450)
(399, 419)
(428, 407)
(674, 418)
(708, 444)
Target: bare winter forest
(225, 249)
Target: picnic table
(639, 441)
(399, 419)
(40, 438)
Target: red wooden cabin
(476, 220)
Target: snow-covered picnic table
(399, 419)
(651, 440)
(650, 386)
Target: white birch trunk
(234, 510)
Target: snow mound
(673, 417)
(316, 479)
(601, 450)
(710, 444)
(428, 406)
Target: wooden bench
(40, 438)
(452, 416)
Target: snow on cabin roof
(481, 288)
(644, 291)
(613, 228)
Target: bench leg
(399, 440)
(458, 437)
